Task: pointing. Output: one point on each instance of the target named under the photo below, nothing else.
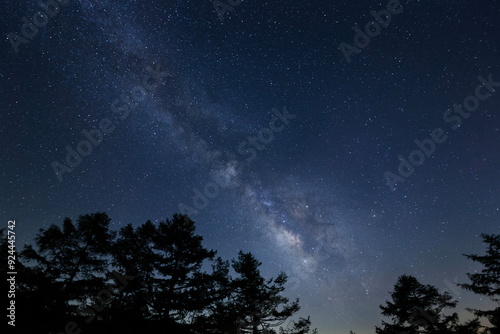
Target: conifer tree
(258, 301)
(487, 282)
(67, 267)
(416, 309)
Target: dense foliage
(152, 278)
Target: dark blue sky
(313, 200)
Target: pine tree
(170, 289)
(181, 255)
(72, 266)
(133, 254)
(487, 282)
(416, 308)
(74, 255)
(67, 267)
(257, 301)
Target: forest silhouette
(84, 277)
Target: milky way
(306, 194)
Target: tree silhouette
(72, 276)
(67, 268)
(170, 287)
(133, 253)
(180, 257)
(471, 327)
(73, 256)
(165, 287)
(259, 302)
(487, 282)
(416, 308)
(302, 326)
(218, 315)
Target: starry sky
(271, 135)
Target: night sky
(268, 133)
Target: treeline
(417, 308)
(84, 277)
